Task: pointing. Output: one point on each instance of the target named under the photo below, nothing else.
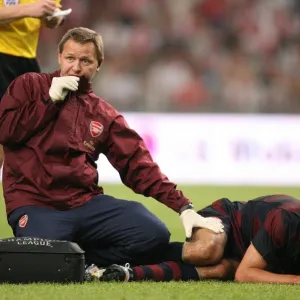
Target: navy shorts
(110, 230)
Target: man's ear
(58, 58)
(100, 63)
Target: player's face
(78, 60)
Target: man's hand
(61, 86)
(55, 19)
(190, 219)
(41, 8)
(52, 22)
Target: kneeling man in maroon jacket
(53, 128)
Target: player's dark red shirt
(271, 223)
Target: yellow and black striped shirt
(20, 37)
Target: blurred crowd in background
(191, 55)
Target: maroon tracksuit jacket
(51, 149)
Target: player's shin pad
(28, 259)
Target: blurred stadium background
(193, 55)
(213, 86)
(215, 81)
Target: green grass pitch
(201, 196)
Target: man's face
(78, 60)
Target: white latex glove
(190, 219)
(60, 87)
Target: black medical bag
(29, 259)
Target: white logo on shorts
(23, 221)
(11, 2)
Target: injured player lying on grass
(260, 244)
(173, 265)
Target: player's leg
(179, 261)
(166, 271)
(34, 221)
(119, 231)
(206, 248)
(200, 259)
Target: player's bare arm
(206, 248)
(36, 10)
(253, 269)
